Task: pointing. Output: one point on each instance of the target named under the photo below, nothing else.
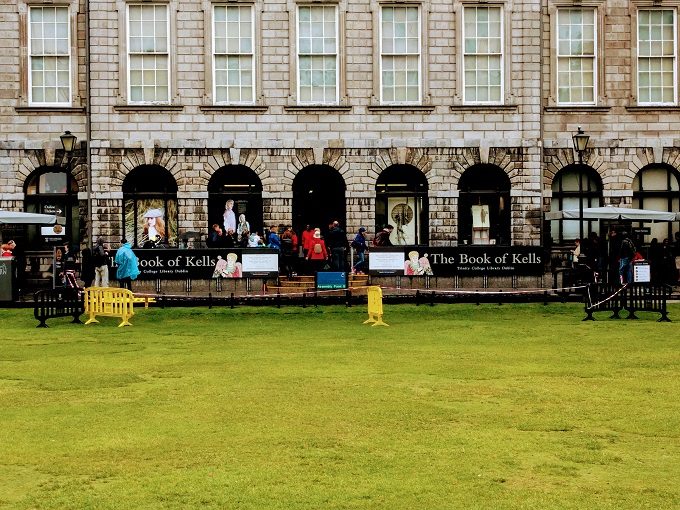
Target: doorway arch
(318, 197)
(401, 201)
(150, 189)
(52, 190)
(241, 185)
(484, 206)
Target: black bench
(648, 298)
(633, 297)
(61, 302)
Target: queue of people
(613, 259)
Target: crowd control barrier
(59, 302)
(109, 302)
(633, 297)
(375, 308)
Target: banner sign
(331, 280)
(203, 264)
(457, 261)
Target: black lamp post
(580, 140)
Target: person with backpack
(317, 255)
(626, 254)
(382, 238)
(360, 247)
(101, 264)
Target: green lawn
(451, 407)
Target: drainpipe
(88, 125)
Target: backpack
(317, 248)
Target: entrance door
(318, 198)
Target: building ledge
(653, 109)
(577, 109)
(234, 108)
(483, 108)
(317, 108)
(49, 109)
(401, 108)
(149, 108)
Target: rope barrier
(401, 290)
(590, 300)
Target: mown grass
(451, 407)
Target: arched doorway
(52, 191)
(572, 185)
(242, 187)
(318, 197)
(484, 206)
(657, 187)
(401, 201)
(150, 207)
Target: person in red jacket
(317, 254)
(307, 236)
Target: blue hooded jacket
(128, 267)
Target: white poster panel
(56, 230)
(402, 215)
(260, 262)
(642, 272)
(386, 261)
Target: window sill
(317, 108)
(484, 108)
(49, 109)
(231, 108)
(576, 109)
(131, 108)
(654, 108)
(401, 108)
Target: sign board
(331, 280)
(642, 272)
(6, 283)
(641, 231)
(203, 264)
(457, 261)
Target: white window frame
(252, 54)
(336, 9)
(169, 47)
(31, 101)
(674, 55)
(419, 8)
(502, 53)
(594, 57)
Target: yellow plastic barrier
(144, 299)
(375, 309)
(109, 302)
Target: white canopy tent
(613, 213)
(24, 218)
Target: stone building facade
(439, 105)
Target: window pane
(400, 54)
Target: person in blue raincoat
(128, 265)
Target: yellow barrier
(109, 302)
(375, 310)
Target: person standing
(128, 265)
(336, 241)
(307, 236)
(318, 255)
(101, 264)
(626, 254)
(86, 267)
(382, 238)
(360, 247)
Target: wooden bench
(60, 302)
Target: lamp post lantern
(68, 141)
(580, 140)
